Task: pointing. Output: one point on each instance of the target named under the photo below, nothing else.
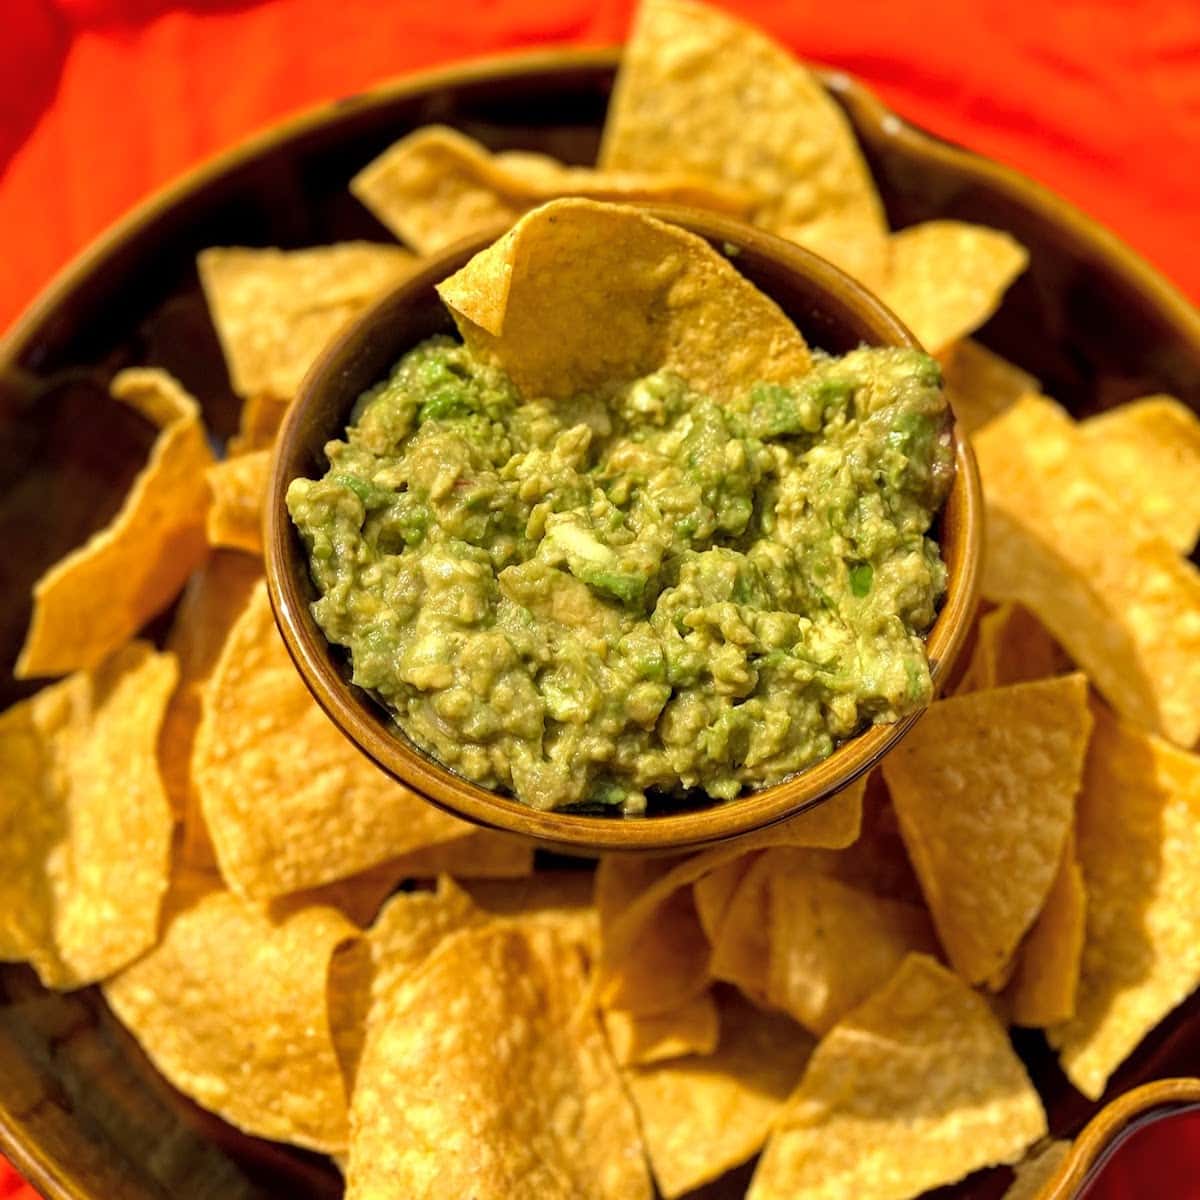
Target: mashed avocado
(584, 601)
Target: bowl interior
(832, 312)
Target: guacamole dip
(586, 601)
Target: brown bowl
(83, 1113)
(832, 311)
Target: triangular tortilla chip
(702, 1115)
(1139, 845)
(276, 310)
(213, 599)
(981, 384)
(436, 186)
(947, 277)
(238, 485)
(580, 295)
(101, 594)
(691, 1029)
(698, 90)
(1148, 454)
(1125, 606)
(914, 1089)
(1011, 646)
(233, 1008)
(654, 950)
(557, 900)
(289, 802)
(85, 827)
(1043, 988)
(984, 786)
(832, 945)
(484, 1075)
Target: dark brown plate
(82, 1113)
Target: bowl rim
(365, 722)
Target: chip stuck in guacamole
(630, 587)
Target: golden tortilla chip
(691, 1029)
(483, 854)
(276, 310)
(412, 925)
(85, 827)
(1043, 988)
(947, 277)
(1011, 646)
(832, 945)
(580, 295)
(701, 1116)
(233, 1009)
(984, 786)
(1125, 606)
(260, 420)
(914, 1089)
(211, 602)
(741, 945)
(437, 186)
(290, 803)
(239, 486)
(485, 1075)
(981, 384)
(101, 594)
(1037, 1171)
(1147, 452)
(713, 894)
(700, 91)
(654, 950)
(1138, 830)
(557, 900)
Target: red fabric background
(102, 101)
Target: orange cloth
(102, 101)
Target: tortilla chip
(233, 1009)
(94, 600)
(483, 854)
(437, 186)
(1043, 988)
(412, 925)
(947, 277)
(692, 1029)
(984, 786)
(290, 803)
(580, 295)
(85, 827)
(701, 1116)
(980, 384)
(210, 604)
(557, 900)
(239, 486)
(1011, 646)
(1139, 846)
(485, 1075)
(700, 91)
(713, 894)
(1037, 1171)
(1147, 453)
(813, 921)
(655, 955)
(1124, 606)
(260, 420)
(276, 310)
(914, 1089)
(741, 945)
